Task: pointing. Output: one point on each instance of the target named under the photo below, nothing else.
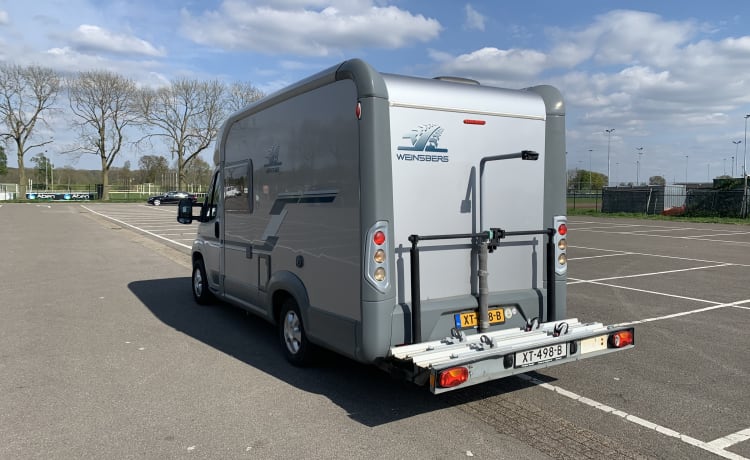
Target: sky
(670, 79)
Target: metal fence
(676, 200)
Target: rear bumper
(499, 354)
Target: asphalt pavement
(104, 354)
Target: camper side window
(238, 188)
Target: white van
(416, 224)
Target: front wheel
(297, 349)
(157, 202)
(201, 293)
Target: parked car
(170, 198)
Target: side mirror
(185, 211)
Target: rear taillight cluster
(376, 263)
(561, 244)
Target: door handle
(216, 229)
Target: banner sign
(70, 196)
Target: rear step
(461, 348)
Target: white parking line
(667, 236)
(136, 228)
(684, 313)
(599, 257)
(732, 439)
(715, 447)
(689, 259)
(646, 291)
(652, 274)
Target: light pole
(609, 141)
(744, 155)
(736, 146)
(638, 166)
(686, 169)
(590, 150)
(617, 174)
(732, 166)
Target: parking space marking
(599, 257)
(715, 447)
(732, 439)
(695, 238)
(685, 313)
(650, 274)
(646, 291)
(136, 228)
(689, 259)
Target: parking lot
(681, 393)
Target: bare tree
(104, 104)
(151, 167)
(25, 94)
(187, 115)
(242, 94)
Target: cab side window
(212, 197)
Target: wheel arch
(284, 285)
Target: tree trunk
(105, 180)
(22, 183)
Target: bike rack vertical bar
(551, 302)
(416, 306)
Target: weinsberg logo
(423, 139)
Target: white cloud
(494, 65)
(4, 17)
(474, 19)
(96, 39)
(309, 28)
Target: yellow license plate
(471, 319)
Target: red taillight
(474, 122)
(562, 230)
(453, 377)
(621, 339)
(358, 111)
(378, 238)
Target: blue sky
(670, 77)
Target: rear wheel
(297, 349)
(201, 293)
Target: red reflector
(358, 111)
(562, 230)
(474, 122)
(621, 339)
(378, 238)
(453, 377)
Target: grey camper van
(415, 224)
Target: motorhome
(415, 224)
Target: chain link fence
(675, 200)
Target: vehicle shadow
(369, 395)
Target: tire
(297, 349)
(157, 202)
(201, 293)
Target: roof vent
(465, 81)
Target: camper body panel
(305, 177)
(439, 187)
(291, 210)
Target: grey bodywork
(302, 180)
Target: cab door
(210, 236)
